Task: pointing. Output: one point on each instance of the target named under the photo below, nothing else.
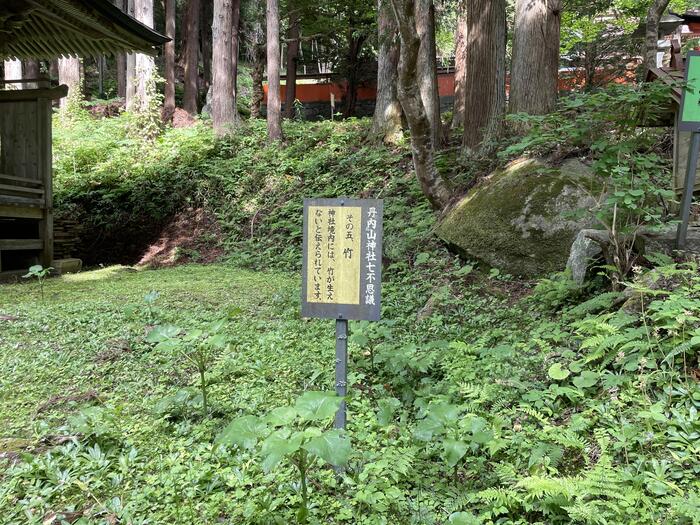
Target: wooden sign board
(342, 268)
(690, 100)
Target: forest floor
(452, 411)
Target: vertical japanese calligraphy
(342, 265)
(333, 276)
(370, 235)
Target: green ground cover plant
(485, 411)
(196, 394)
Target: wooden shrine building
(44, 30)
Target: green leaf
(331, 446)
(587, 379)
(317, 406)
(281, 416)
(277, 445)
(445, 413)
(163, 333)
(463, 518)
(427, 428)
(558, 373)
(244, 432)
(359, 339)
(387, 408)
(217, 341)
(453, 451)
(422, 258)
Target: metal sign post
(341, 271)
(693, 153)
(690, 121)
(341, 369)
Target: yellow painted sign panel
(333, 270)
(342, 264)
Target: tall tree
(120, 59)
(292, 59)
(534, 83)
(169, 53)
(274, 109)
(386, 122)
(145, 66)
(31, 71)
(433, 185)
(355, 40)
(656, 9)
(69, 74)
(485, 78)
(427, 66)
(131, 80)
(205, 26)
(236, 42)
(224, 115)
(191, 94)
(255, 44)
(460, 64)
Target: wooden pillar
(46, 175)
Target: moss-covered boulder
(523, 219)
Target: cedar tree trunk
(485, 79)
(205, 26)
(31, 72)
(145, 66)
(292, 58)
(224, 115)
(534, 83)
(169, 52)
(386, 122)
(431, 182)
(427, 66)
(460, 65)
(191, 94)
(120, 59)
(69, 74)
(130, 92)
(274, 110)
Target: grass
(101, 427)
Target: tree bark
(145, 66)
(433, 185)
(386, 122)
(355, 43)
(31, 71)
(169, 53)
(485, 79)
(130, 91)
(292, 58)
(224, 115)
(427, 66)
(205, 27)
(191, 94)
(236, 44)
(274, 110)
(69, 74)
(460, 65)
(120, 59)
(534, 83)
(257, 73)
(656, 9)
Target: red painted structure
(321, 91)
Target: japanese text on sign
(342, 258)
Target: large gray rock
(523, 219)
